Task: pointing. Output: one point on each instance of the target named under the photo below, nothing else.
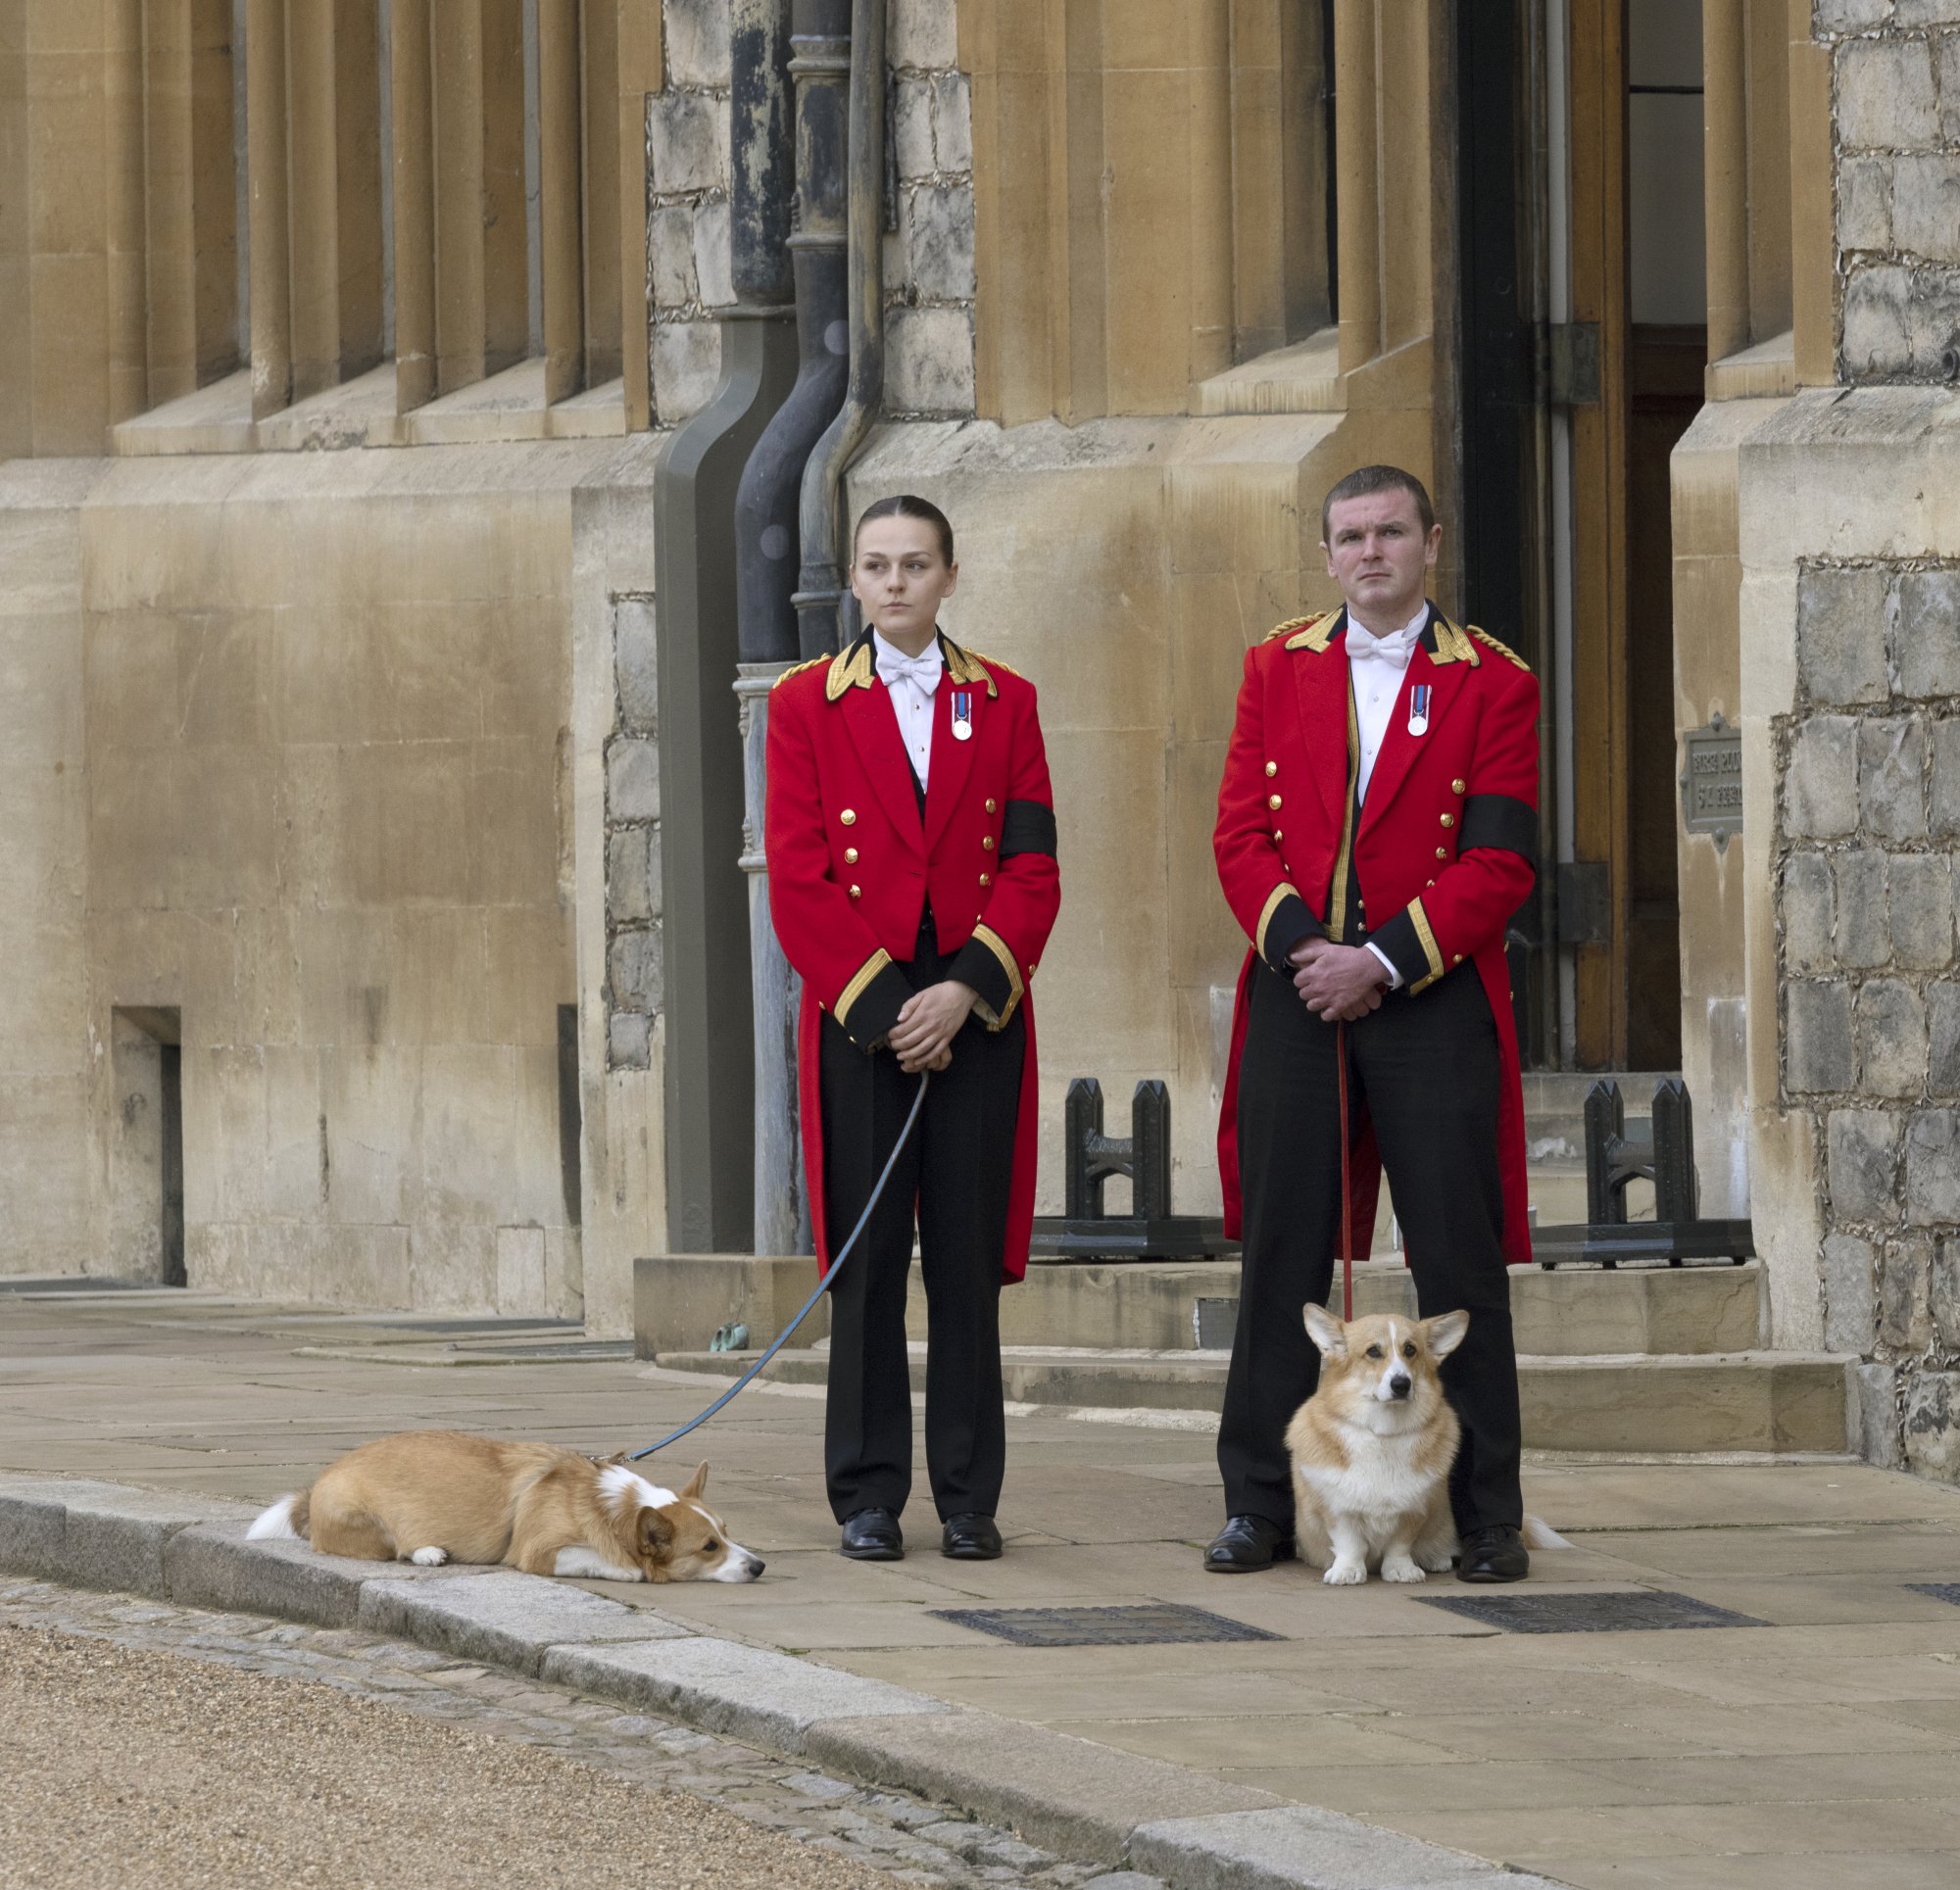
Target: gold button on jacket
(849, 816)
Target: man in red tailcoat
(1377, 828)
(912, 879)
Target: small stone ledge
(503, 1617)
(750, 1693)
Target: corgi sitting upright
(435, 1496)
(1372, 1448)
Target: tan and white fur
(435, 1496)
(1372, 1448)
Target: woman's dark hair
(908, 505)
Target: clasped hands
(928, 1022)
(1337, 983)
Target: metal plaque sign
(1711, 781)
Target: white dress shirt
(1376, 666)
(911, 683)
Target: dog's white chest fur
(1381, 1482)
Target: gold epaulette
(1504, 650)
(796, 669)
(1312, 632)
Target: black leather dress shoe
(970, 1539)
(1247, 1544)
(1493, 1554)
(873, 1535)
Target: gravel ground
(147, 1744)
(132, 1768)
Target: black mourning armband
(1027, 827)
(1500, 820)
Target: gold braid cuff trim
(997, 945)
(1284, 890)
(860, 984)
(1430, 949)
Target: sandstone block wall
(1868, 819)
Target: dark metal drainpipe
(766, 508)
(767, 565)
(822, 525)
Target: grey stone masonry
(929, 274)
(687, 207)
(634, 965)
(1895, 130)
(1868, 814)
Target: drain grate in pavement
(1938, 1590)
(1145, 1627)
(1619, 1612)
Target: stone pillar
(1355, 184)
(782, 1213)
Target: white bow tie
(1394, 651)
(922, 671)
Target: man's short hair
(1365, 481)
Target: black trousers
(956, 1170)
(1426, 1070)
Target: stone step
(682, 1299)
(1747, 1402)
(1155, 1305)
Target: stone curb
(1069, 1795)
(1298, 1847)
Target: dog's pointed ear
(1446, 1332)
(696, 1483)
(654, 1530)
(1327, 1332)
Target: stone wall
(1868, 818)
(1897, 150)
(633, 961)
(929, 211)
(929, 256)
(688, 258)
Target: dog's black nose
(757, 1565)
(1399, 1388)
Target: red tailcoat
(1443, 849)
(850, 867)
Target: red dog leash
(1346, 1192)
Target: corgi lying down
(435, 1496)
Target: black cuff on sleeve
(1401, 944)
(1500, 820)
(877, 1007)
(1027, 827)
(1292, 920)
(974, 964)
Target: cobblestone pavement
(783, 1814)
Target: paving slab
(747, 1692)
(504, 1617)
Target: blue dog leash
(822, 1287)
